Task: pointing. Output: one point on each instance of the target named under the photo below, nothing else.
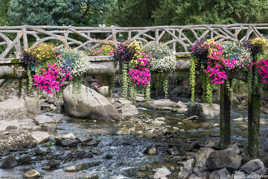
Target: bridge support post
(254, 98)
(225, 115)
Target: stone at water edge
(40, 136)
(201, 159)
(220, 174)
(255, 166)
(161, 173)
(88, 104)
(9, 162)
(67, 140)
(187, 169)
(228, 158)
(104, 90)
(32, 173)
(204, 110)
(129, 110)
(152, 150)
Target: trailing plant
(148, 91)
(163, 60)
(123, 54)
(165, 84)
(192, 78)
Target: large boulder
(255, 166)
(204, 110)
(18, 108)
(228, 158)
(88, 104)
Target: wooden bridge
(13, 39)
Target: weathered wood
(225, 115)
(254, 98)
(177, 37)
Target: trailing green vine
(165, 84)
(30, 79)
(192, 79)
(125, 79)
(148, 91)
(209, 90)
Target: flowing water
(121, 156)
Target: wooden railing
(13, 39)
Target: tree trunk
(225, 115)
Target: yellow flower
(259, 41)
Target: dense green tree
(57, 12)
(132, 13)
(3, 12)
(182, 12)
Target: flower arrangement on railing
(104, 50)
(220, 60)
(123, 54)
(35, 58)
(52, 79)
(48, 67)
(162, 61)
(75, 62)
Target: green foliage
(132, 13)
(165, 84)
(3, 12)
(192, 79)
(148, 91)
(125, 79)
(57, 12)
(183, 12)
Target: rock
(161, 104)
(228, 158)
(129, 110)
(173, 150)
(32, 105)
(77, 154)
(254, 176)
(25, 160)
(15, 140)
(18, 124)
(84, 139)
(108, 156)
(239, 175)
(159, 121)
(182, 107)
(91, 176)
(67, 140)
(161, 173)
(84, 166)
(32, 173)
(52, 165)
(40, 136)
(187, 169)
(152, 150)
(220, 174)
(9, 162)
(40, 151)
(88, 104)
(201, 159)
(44, 119)
(104, 90)
(255, 166)
(12, 108)
(204, 110)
